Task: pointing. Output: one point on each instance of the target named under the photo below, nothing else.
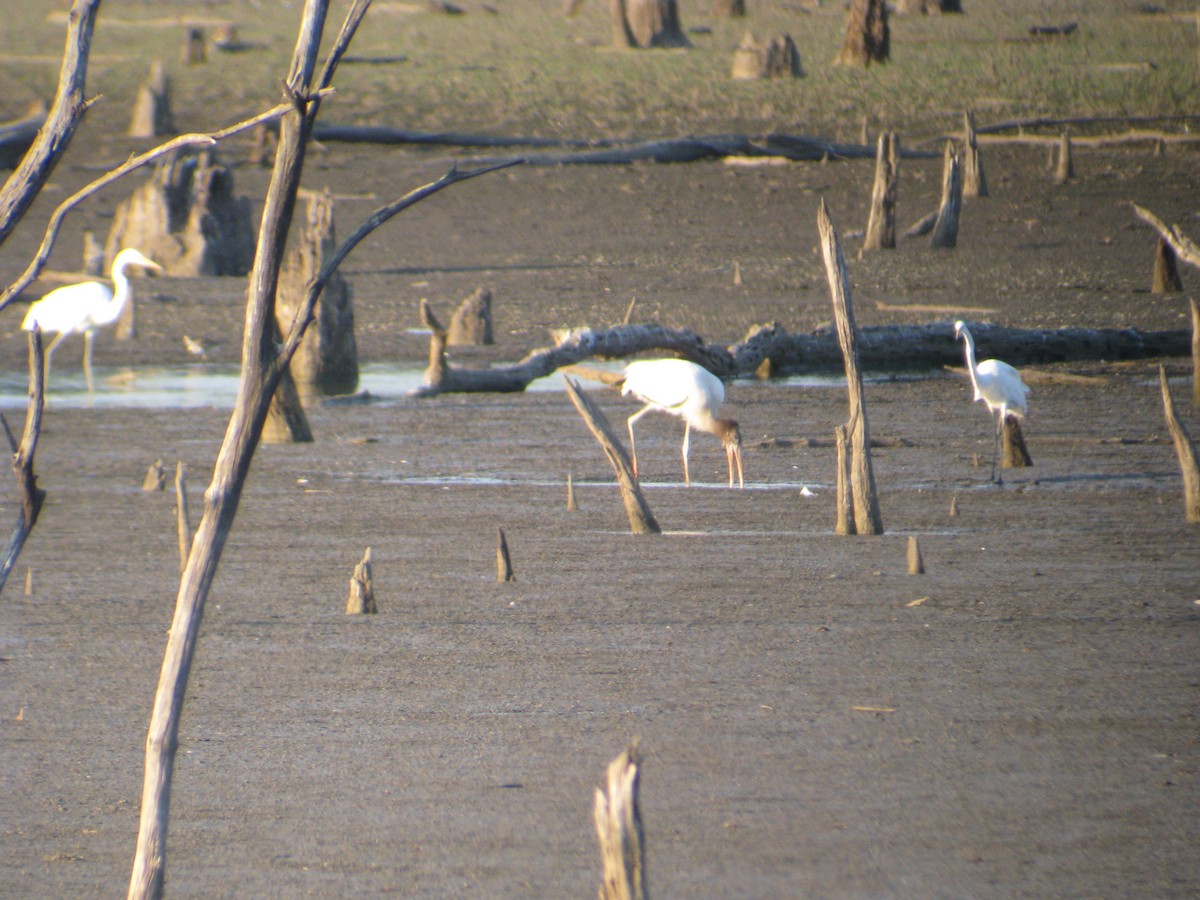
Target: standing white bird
(997, 384)
(83, 308)
(691, 392)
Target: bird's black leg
(996, 448)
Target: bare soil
(1019, 721)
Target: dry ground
(1020, 721)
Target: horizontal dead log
(884, 348)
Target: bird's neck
(972, 368)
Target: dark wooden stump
(881, 222)
(193, 52)
(728, 9)
(1166, 272)
(152, 108)
(945, 229)
(1013, 453)
(777, 57)
(646, 23)
(471, 323)
(867, 37)
(1065, 170)
(326, 362)
(974, 180)
(504, 569)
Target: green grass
(528, 70)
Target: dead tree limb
(65, 114)
(867, 518)
(1185, 450)
(619, 827)
(641, 520)
(183, 522)
(1185, 249)
(32, 496)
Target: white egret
(691, 392)
(997, 384)
(84, 308)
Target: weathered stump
(776, 57)
(881, 222)
(867, 37)
(362, 589)
(193, 52)
(152, 108)
(945, 229)
(572, 503)
(471, 323)
(728, 9)
(1065, 170)
(1185, 450)
(504, 568)
(646, 23)
(916, 565)
(974, 180)
(618, 820)
(156, 477)
(866, 515)
(1013, 453)
(1195, 353)
(1166, 271)
(326, 362)
(187, 219)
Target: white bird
(997, 384)
(83, 308)
(689, 391)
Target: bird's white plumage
(692, 393)
(85, 307)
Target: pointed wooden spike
(916, 565)
(737, 272)
(954, 505)
(572, 505)
(362, 590)
(504, 569)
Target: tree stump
(156, 477)
(867, 37)
(187, 219)
(1166, 272)
(777, 57)
(326, 362)
(152, 108)
(728, 9)
(504, 568)
(646, 23)
(618, 820)
(945, 229)
(916, 565)
(1013, 453)
(974, 181)
(362, 591)
(1066, 166)
(881, 223)
(193, 53)
(471, 323)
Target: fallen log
(882, 348)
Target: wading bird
(689, 391)
(997, 384)
(84, 308)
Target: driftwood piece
(1185, 450)
(776, 57)
(504, 567)
(881, 221)
(867, 37)
(471, 323)
(945, 229)
(152, 107)
(32, 496)
(188, 219)
(1166, 273)
(618, 820)
(974, 179)
(641, 520)
(326, 362)
(916, 564)
(183, 522)
(362, 589)
(867, 518)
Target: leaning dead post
(362, 589)
(504, 569)
(1166, 273)
(619, 827)
(945, 229)
(881, 222)
(974, 181)
(867, 518)
(1184, 449)
(183, 524)
(641, 520)
(32, 496)
(916, 565)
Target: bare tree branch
(22, 463)
(1184, 248)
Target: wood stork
(684, 389)
(84, 308)
(997, 384)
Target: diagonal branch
(22, 462)
(1184, 248)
